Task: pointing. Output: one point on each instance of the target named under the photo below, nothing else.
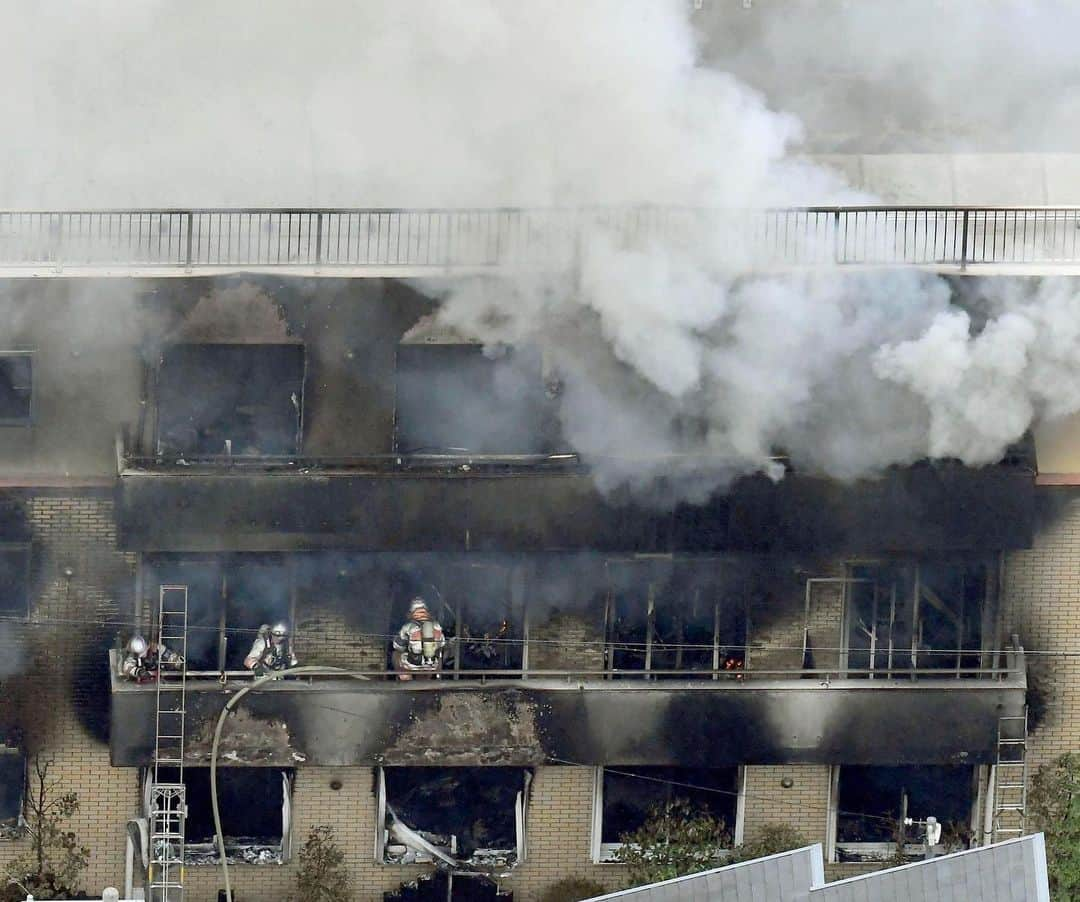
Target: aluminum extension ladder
(168, 807)
(1010, 778)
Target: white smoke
(675, 360)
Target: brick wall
(566, 641)
(1041, 603)
(777, 620)
(58, 696)
(804, 806)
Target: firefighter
(271, 650)
(143, 659)
(419, 644)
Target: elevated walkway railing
(343, 241)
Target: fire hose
(310, 670)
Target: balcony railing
(340, 240)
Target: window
(16, 388)
(12, 788)
(927, 615)
(230, 399)
(229, 598)
(675, 617)
(872, 802)
(624, 797)
(485, 623)
(463, 398)
(471, 816)
(15, 580)
(255, 805)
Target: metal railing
(441, 239)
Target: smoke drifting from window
(666, 352)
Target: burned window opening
(230, 399)
(443, 886)
(626, 795)
(673, 616)
(255, 805)
(229, 598)
(457, 817)
(15, 580)
(872, 803)
(16, 388)
(904, 616)
(12, 791)
(454, 398)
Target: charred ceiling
(467, 508)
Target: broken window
(486, 623)
(230, 399)
(467, 398)
(627, 795)
(674, 618)
(229, 598)
(16, 388)
(255, 805)
(872, 803)
(928, 615)
(15, 580)
(12, 788)
(460, 816)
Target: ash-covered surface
(466, 728)
(238, 850)
(245, 737)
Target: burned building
(247, 448)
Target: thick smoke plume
(668, 356)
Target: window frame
(27, 549)
(604, 853)
(288, 787)
(15, 828)
(521, 820)
(720, 604)
(27, 420)
(877, 851)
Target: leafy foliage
(676, 839)
(573, 889)
(769, 840)
(1054, 808)
(322, 876)
(54, 861)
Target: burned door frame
(720, 604)
(604, 853)
(147, 613)
(878, 851)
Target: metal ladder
(167, 802)
(1010, 778)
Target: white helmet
(416, 606)
(280, 629)
(137, 646)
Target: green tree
(679, 839)
(1054, 808)
(54, 861)
(771, 839)
(676, 839)
(322, 876)
(572, 889)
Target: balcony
(550, 502)
(417, 242)
(529, 717)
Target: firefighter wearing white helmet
(271, 650)
(419, 644)
(143, 659)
